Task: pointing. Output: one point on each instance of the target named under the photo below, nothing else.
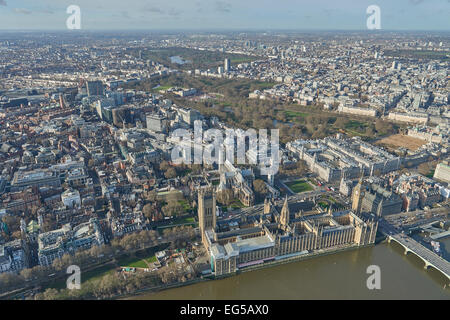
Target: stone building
(12, 256)
(373, 198)
(277, 233)
(206, 212)
(54, 244)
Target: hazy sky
(225, 14)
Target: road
(428, 256)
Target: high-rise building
(61, 101)
(227, 65)
(94, 88)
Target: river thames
(337, 276)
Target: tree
(148, 211)
(164, 166)
(170, 173)
(13, 223)
(151, 196)
(225, 197)
(173, 208)
(340, 123)
(27, 274)
(384, 127)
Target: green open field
(236, 204)
(184, 220)
(299, 186)
(161, 88)
(132, 262)
(140, 260)
(356, 128)
(186, 206)
(355, 125)
(294, 114)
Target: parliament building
(275, 233)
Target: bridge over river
(430, 258)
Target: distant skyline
(207, 15)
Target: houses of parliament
(276, 232)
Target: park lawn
(143, 257)
(88, 276)
(261, 85)
(183, 220)
(186, 206)
(355, 125)
(132, 262)
(241, 60)
(295, 114)
(236, 204)
(299, 186)
(356, 128)
(97, 274)
(163, 88)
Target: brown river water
(337, 276)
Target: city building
(54, 244)
(94, 88)
(12, 257)
(277, 235)
(442, 172)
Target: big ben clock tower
(358, 193)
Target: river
(338, 276)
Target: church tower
(357, 196)
(284, 218)
(206, 212)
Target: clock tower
(358, 193)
